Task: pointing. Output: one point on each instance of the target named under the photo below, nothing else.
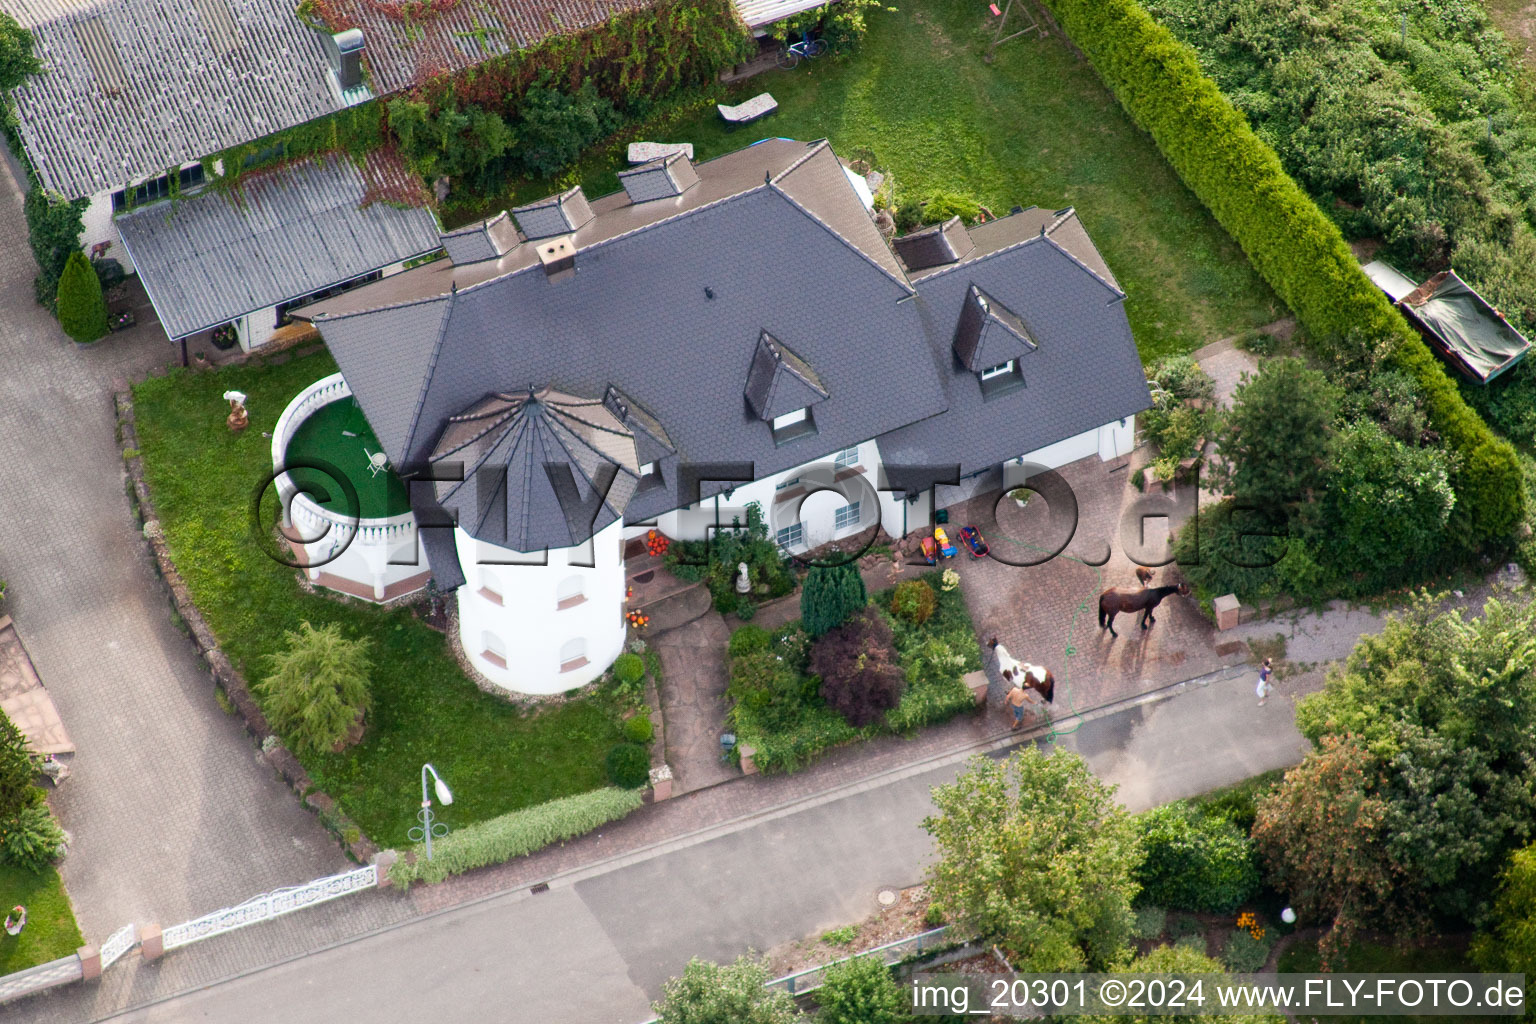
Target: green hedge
(1297, 249)
(515, 834)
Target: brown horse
(1125, 599)
(1144, 575)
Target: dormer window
(650, 475)
(794, 424)
(992, 342)
(1000, 379)
(999, 370)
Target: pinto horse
(1028, 677)
(1126, 599)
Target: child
(1264, 689)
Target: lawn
(51, 931)
(496, 757)
(1439, 955)
(1034, 128)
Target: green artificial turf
(1034, 128)
(496, 757)
(338, 435)
(51, 931)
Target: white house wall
(97, 226)
(537, 613)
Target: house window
(846, 457)
(791, 536)
(490, 586)
(573, 654)
(324, 293)
(572, 592)
(846, 516)
(492, 649)
(793, 425)
(786, 484)
(157, 188)
(1000, 379)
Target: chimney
(558, 256)
(345, 51)
(660, 179)
(935, 246)
(557, 215)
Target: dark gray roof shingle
(989, 334)
(779, 381)
(211, 257)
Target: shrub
(639, 729)
(556, 127)
(628, 765)
(16, 769)
(516, 834)
(1288, 239)
(1184, 925)
(81, 307)
(747, 640)
(31, 838)
(318, 687)
(53, 229)
(745, 609)
(1183, 378)
(831, 594)
(914, 601)
(1276, 435)
(1508, 941)
(731, 994)
(859, 679)
(1244, 954)
(861, 991)
(1151, 922)
(1193, 862)
(766, 692)
(1194, 942)
(628, 668)
(472, 143)
(944, 205)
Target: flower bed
(784, 719)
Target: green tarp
(1482, 342)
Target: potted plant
(1021, 496)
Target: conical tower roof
(541, 469)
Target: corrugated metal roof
(757, 13)
(134, 87)
(213, 257)
(400, 51)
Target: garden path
(693, 701)
(170, 812)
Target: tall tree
(1509, 941)
(1036, 856)
(318, 687)
(17, 60)
(17, 771)
(82, 309)
(1275, 441)
(830, 596)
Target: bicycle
(791, 55)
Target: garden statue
(238, 418)
(16, 920)
(744, 581)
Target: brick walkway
(171, 814)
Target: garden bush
(1387, 503)
(81, 307)
(473, 146)
(748, 640)
(31, 839)
(830, 596)
(767, 692)
(318, 688)
(1151, 922)
(859, 678)
(709, 993)
(639, 729)
(1192, 862)
(555, 127)
(861, 991)
(1244, 954)
(628, 668)
(716, 562)
(914, 601)
(516, 834)
(1301, 253)
(628, 765)
(745, 609)
(1184, 925)
(53, 230)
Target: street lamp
(428, 828)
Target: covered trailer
(1459, 323)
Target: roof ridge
(901, 282)
(812, 148)
(1085, 267)
(1062, 216)
(426, 378)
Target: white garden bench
(758, 106)
(645, 152)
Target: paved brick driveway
(170, 812)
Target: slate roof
(540, 469)
(134, 87)
(673, 302)
(401, 51)
(215, 256)
(989, 333)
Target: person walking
(1016, 699)
(1265, 688)
(1012, 671)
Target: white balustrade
(270, 905)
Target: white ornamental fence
(118, 943)
(270, 905)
